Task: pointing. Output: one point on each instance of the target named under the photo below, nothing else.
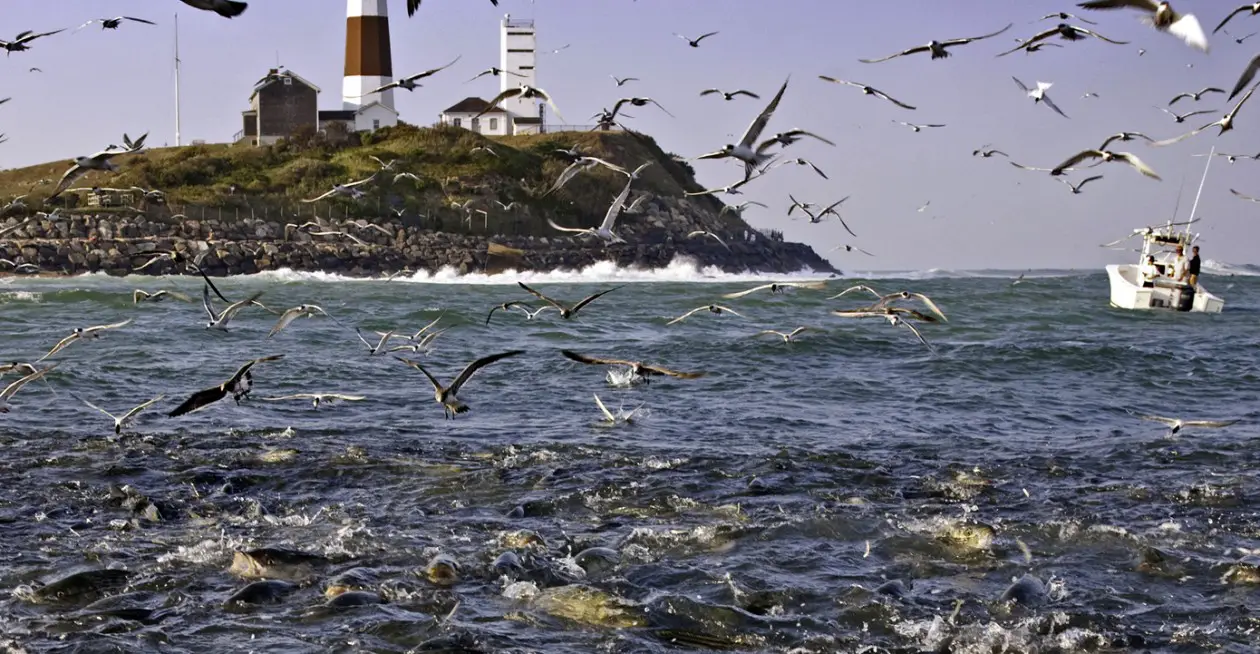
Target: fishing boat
(1138, 287)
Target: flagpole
(177, 140)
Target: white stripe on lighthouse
(366, 8)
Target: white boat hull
(1127, 292)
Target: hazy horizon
(984, 213)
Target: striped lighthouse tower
(368, 63)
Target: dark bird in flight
(238, 386)
(224, 8)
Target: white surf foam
(1214, 267)
(942, 273)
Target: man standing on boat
(1194, 267)
(1179, 265)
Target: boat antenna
(177, 140)
(1211, 156)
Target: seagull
(868, 90)
(1076, 188)
(891, 314)
(913, 127)
(731, 189)
(419, 336)
(637, 102)
(1089, 94)
(566, 312)
(379, 348)
(81, 165)
(224, 8)
(113, 23)
(907, 295)
(695, 43)
(523, 306)
(351, 189)
(621, 81)
(1183, 26)
(778, 287)
(1226, 123)
(1064, 31)
(19, 42)
(301, 310)
(1253, 7)
(1195, 96)
(604, 231)
(715, 309)
(789, 137)
(445, 395)
(1182, 118)
(12, 389)
(1062, 15)
(728, 96)
(1248, 74)
(1245, 197)
(238, 387)
(414, 5)
(383, 165)
(744, 149)
(24, 368)
(638, 369)
(988, 153)
(580, 164)
(1036, 47)
(316, 398)
(937, 48)
(831, 209)
(81, 333)
(139, 296)
(1239, 40)
(800, 162)
(1106, 156)
(787, 338)
(850, 248)
(1124, 136)
(1039, 95)
(409, 83)
(121, 422)
(1177, 423)
(220, 320)
(1231, 157)
(495, 72)
(484, 148)
(523, 91)
(701, 232)
(738, 209)
(611, 419)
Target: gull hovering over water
(1076, 188)
(1063, 31)
(1039, 95)
(639, 370)
(83, 333)
(523, 91)
(566, 312)
(939, 49)
(379, 348)
(1226, 123)
(868, 90)
(891, 314)
(24, 368)
(113, 23)
(778, 287)
(316, 398)
(19, 42)
(221, 319)
(695, 43)
(715, 309)
(446, 395)
(307, 310)
(1106, 156)
(139, 296)
(9, 391)
(1183, 26)
(123, 421)
(728, 96)
(1252, 7)
(1176, 424)
(523, 306)
(409, 83)
(744, 149)
(239, 386)
(224, 8)
(884, 300)
(787, 338)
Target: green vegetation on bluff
(309, 163)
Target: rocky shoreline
(115, 245)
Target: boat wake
(1214, 267)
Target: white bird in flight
(1039, 95)
(1183, 26)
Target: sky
(983, 213)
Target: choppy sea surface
(849, 491)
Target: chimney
(368, 63)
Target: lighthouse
(368, 64)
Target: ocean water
(762, 507)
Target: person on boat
(1179, 265)
(1149, 272)
(1193, 279)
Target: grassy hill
(309, 163)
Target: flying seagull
(891, 314)
(224, 8)
(1181, 118)
(1106, 156)
(638, 102)
(495, 71)
(351, 189)
(523, 306)
(1176, 424)
(1253, 7)
(988, 153)
(787, 338)
(316, 398)
(638, 369)
(744, 149)
(81, 165)
(868, 90)
(738, 209)
(1064, 31)
(1226, 123)
(915, 128)
(24, 368)
(523, 91)
(604, 231)
(1245, 197)
(715, 309)
(301, 310)
(850, 248)
(1195, 96)
(409, 83)
(445, 395)
(379, 348)
(789, 137)
(695, 43)
(1039, 95)
(778, 287)
(12, 389)
(1231, 157)
(221, 319)
(621, 81)
(937, 48)
(19, 42)
(566, 312)
(1248, 74)
(1183, 26)
(1125, 136)
(1063, 15)
(138, 296)
(113, 23)
(414, 5)
(81, 333)
(799, 162)
(729, 95)
(238, 387)
(704, 232)
(121, 422)
(1076, 188)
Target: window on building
(476, 125)
(376, 123)
(494, 124)
(459, 122)
(288, 81)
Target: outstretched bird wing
(589, 299)
(473, 367)
(914, 50)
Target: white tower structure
(368, 64)
(517, 61)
